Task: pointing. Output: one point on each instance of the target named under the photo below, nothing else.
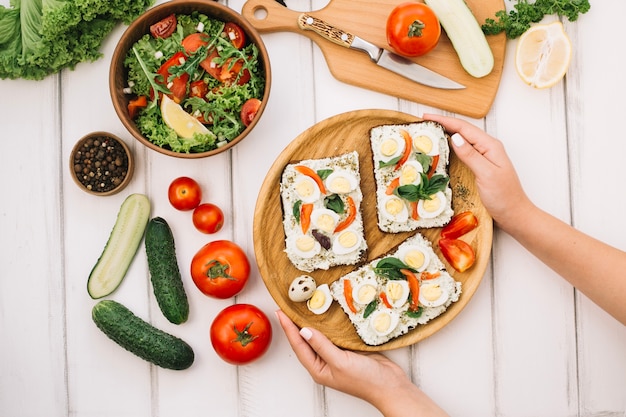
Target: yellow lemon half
(543, 55)
(184, 124)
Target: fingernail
(458, 140)
(306, 333)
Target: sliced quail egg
(394, 209)
(410, 173)
(432, 208)
(390, 148)
(384, 321)
(426, 142)
(341, 182)
(432, 295)
(306, 189)
(302, 288)
(346, 241)
(324, 219)
(397, 292)
(304, 246)
(321, 300)
(415, 256)
(365, 292)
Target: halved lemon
(184, 124)
(543, 55)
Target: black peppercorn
(100, 164)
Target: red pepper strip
(460, 224)
(135, 105)
(414, 287)
(408, 144)
(347, 292)
(427, 275)
(414, 214)
(351, 216)
(385, 300)
(395, 183)
(305, 216)
(433, 166)
(312, 174)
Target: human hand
(498, 184)
(369, 376)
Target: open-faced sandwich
(411, 170)
(321, 201)
(393, 294)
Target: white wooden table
(527, 344)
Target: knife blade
(381, 57)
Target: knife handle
(325, 30)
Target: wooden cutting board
(367, 19)
(337, 135)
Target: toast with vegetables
(391, 295)
(321, 200)
(411, 170)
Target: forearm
(577, 257)
(405, 400)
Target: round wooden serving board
(334, 136)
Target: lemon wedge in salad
(184, 124)
(543, 55)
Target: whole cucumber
(141, 338)
(164, 273)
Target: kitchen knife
(379, 56)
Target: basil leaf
(389, 163)
(296, 210)
(422, 191)
(415, 314)
(424, 161)
(324, 173)
(390, 268)
(370, 308)
(335, 203)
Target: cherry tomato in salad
(220, 269)
(232, 71)
(184, 193)
(198, 89)
(177, 85)
(458, 253)
(165, 27)
(208, 218)
(134, 106)
(236, 34)
(249, 110)
(412, 29)
(193, 42)
(241, 333)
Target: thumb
(321, 345)
(469, 155)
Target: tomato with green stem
(220, 269)
(412, 29)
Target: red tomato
(165, 27)
(241, 333)
(412, 29)
(235, 34)
(249, 110)
(178, 85)
(460, 224)
(231, 72)
(458, 253)
(208, 218)
(136, 105)
(210, 66)
(184, 193)
(198, 89)
(220, 269)
(192, 42)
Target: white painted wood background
(527, 344)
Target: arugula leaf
(424, 190)
(151, 77)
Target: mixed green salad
(205, 66)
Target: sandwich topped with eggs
(321, 200)
(393, 294)
(411, 170)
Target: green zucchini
(466, 36)
(141, 338)
(164, 273)
(121, 247)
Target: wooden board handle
(270, 16)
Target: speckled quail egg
(384, 321)
(426, 141)
(390, 148)
(432, 295)
(432, 208)
(346, 241)
(341, 182)
(397, 292)
(365, 292)
(306, 189)
(302, 288)
(394, 209)
(321, 300)
(410, 173)
(415, 256)
(304, 246)
(324, 219)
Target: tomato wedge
(460, 224)
(385, 300)
(305, 216)
(236, 34)
(351, 216)
(414, 287)
(408, 144)
(178, 85)
(458, 253)
(347, 292)
(134, 106)
(304, 170)
(249, 110)
(433, 166)
(198, 89)
(193, 42)
(414, 213)
(395, 183)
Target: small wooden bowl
(101, 164)
(141, 26)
